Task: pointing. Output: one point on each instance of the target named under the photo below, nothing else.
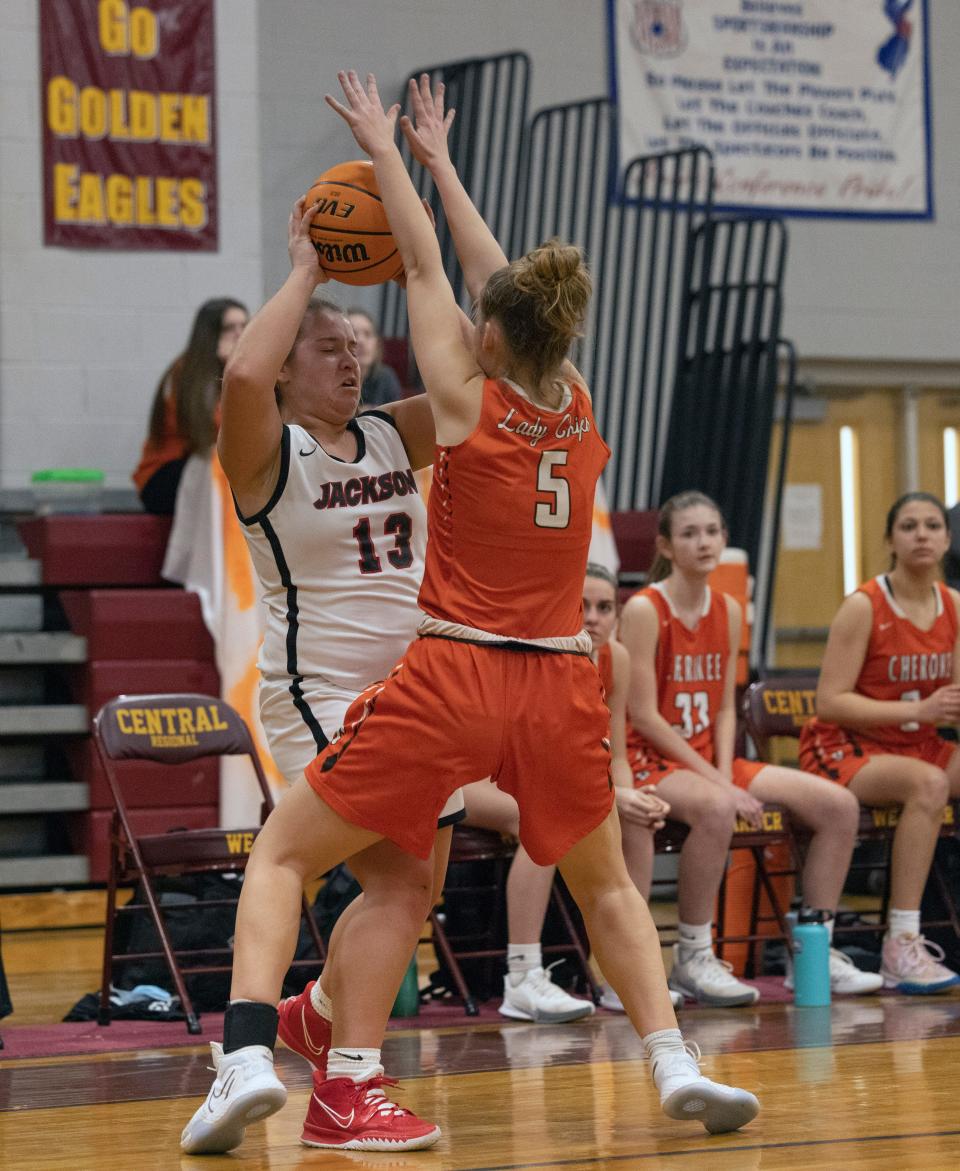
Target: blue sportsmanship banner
(810, 107)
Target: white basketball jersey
(339, 550)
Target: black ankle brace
(249, 1023)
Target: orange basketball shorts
(839, 754)
(651, 769)
(453, 712)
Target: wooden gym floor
(869, 1083)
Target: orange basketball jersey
(902, 661)
(535, 471)
(691, 666)
(605, 667)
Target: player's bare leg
(627, 947)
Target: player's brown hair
(539, 302)
(661, 566)
(195, 378)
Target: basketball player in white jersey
(337, 531)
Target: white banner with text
(810, 107)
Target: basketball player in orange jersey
(528, 992)
(682, 637)
(337, 532)
(890, 677)
(498, 683)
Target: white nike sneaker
(701, 976)
(537, 998)
(685, 1094)
(846, 979)
(245, 1090)
(611, 1001)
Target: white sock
(694, 937)
(522, 958)
(321, 1002)
(359, 1065)
(670, 1063)
(902, 922)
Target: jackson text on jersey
(366, 489)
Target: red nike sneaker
(302, 1029)
(355, 1116)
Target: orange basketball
(350, 230)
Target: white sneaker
(686, 1094)
(245, 1090)
(913, 965)
(703, 977)
(610, 1000)
(846, 979)
(537, 998)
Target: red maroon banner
(129, 146)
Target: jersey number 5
(556, 514)
(397, 525)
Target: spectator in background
(380, 382)
(185, 414)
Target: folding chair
(776, 831)
(173, 729)
(635, 534)
(469, 844)
(779, 705)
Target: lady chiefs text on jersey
(568, 425)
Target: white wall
(888, 289)
(300, 53)
(881, 290)
(85, 335)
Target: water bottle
(408, 998)
(811, 961)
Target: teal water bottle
(408, 998)
(811, 961)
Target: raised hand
(299, 245)
(372, 127)
(428, 139)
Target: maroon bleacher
(138, 624)
(148, 638)
(112, 549)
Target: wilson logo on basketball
(340, 253)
